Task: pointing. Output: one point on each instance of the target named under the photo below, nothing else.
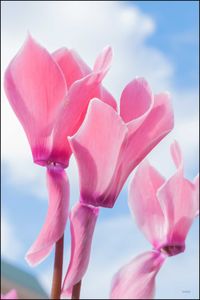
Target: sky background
(154, 39)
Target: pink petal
(138, 143)
(101, 67)
(73, 112)
(73, 67)
(176, 154)
(10, 295)
(106, 97)
(136, 280)
(135, 103)
(196, 184)
(97, 147)
(56, 218)
(71, 116)
(82, 223)
(103, 62)
(177, 198)
(144, 203)
(157, 124)
(35, 87)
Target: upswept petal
(101, 67)
(74, 68)
(10, 295)
(136, 102)
(71, 64)
(136, 280)
(56, 218)
(97, 146)
(176, 154)
(177, 199)
(82, 224)
(35, 87)
(144, 204)
(73, 111)
(157, 124)
(103, 62)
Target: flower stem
(76, 291)
(57, 273)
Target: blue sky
(177, 36)
(154, 39)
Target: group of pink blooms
(64, 109)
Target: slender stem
(76, 291)
(57, 272)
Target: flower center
(51, 164)
(173, 249)
(55, 165)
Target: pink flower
(48, 109)
(49, 94)
(108, 146)
(10, 295)
(164, 211)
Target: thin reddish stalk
(57, 272)
(76, 291)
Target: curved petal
(74, 68)
(73, 112)
(103, 62)
(135, 103)
(56, 218)
(72, 65)
(136, 280)
(157, 124)
(196, 184)
(106, 97)
(177, 199)
(10, 295)
(82, 223)
(101, 67)
(176, 154)
(96, 147)
(144, 204)
(35, 87)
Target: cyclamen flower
(49, 94)
(10, 295)
(108, 146)
(164, 211)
